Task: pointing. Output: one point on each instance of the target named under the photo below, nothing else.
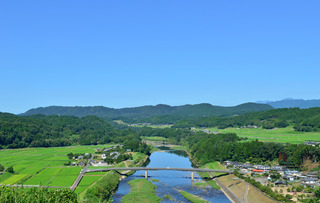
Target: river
(170, 182)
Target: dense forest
(222, 147)
(137, 113)
(54, 131)
(306, 120)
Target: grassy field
(44, 166)
(282, 135)
(14, 179)
(192, 198)
(142, 190)
(155, 138)
(205, 175)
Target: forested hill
(54, 131)
(150, 111)
(292, 103)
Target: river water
(170, 182)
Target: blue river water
(170, 182)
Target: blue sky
(134, 53)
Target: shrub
(288, 189)
(289, 196)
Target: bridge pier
(146, 175)
(192, 176)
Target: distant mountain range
(290, 103)
(150, 111)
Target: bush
(288, 189)
(10, 169)
(289, 196)
(299, 188)
(281, 191)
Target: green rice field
(282, 135)
(42, 166)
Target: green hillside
(151, 111)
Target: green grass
(205, 175)
(13, 179)
(155, 138)
(70, 171)
(88, 180)
(38, 180)
(50, 172)
(142, 190)
(179, 148)
(137, 156)
(201, 184)
(63, 180)
(281, 135)
(191, 197)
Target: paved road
(82, 172)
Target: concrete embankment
(239, 191)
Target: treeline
(306, 120)
(222, 147)
(54, 131)
(36, 195)
(102, 190)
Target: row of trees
(302, 119)
(36, 195)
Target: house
(289, 178)
(237, 165)
(311, 143)
(257, 171)
(80, 157)
(228, 163)
(309, 181)
(293, 173)
(247, 165)
(262, 167)
(280, 182)
(97, 149)
(82, 164)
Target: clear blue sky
(133, 53)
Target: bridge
(146, 169)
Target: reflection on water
(170, 182)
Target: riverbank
(237, 190)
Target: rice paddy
(41, 166)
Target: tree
(70, 155)
(280, 157)
(284, 157)
(10, 169)
(317, 192)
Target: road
(82, 172)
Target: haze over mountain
(291, 103)
(196, 110)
